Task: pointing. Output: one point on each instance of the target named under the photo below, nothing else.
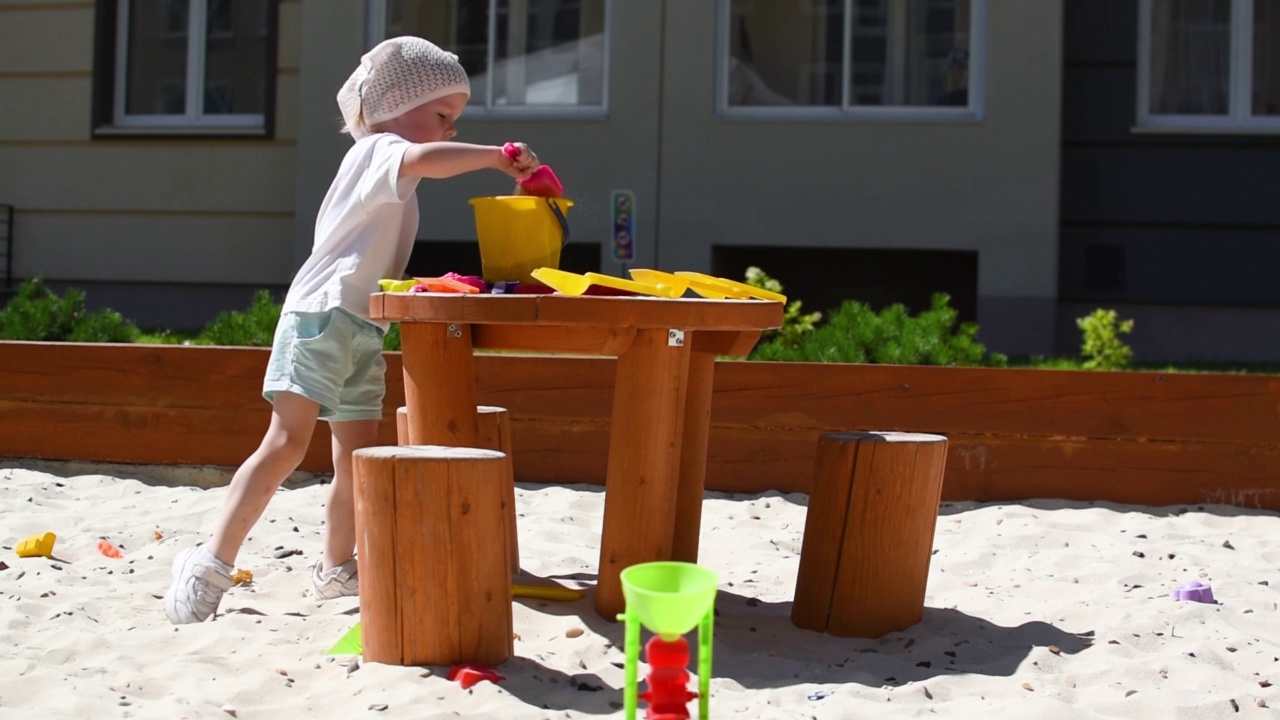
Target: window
(524, 57)
(1209, 65)
(851, 58)
(184, 66)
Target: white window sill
(1229, 130)
(534, 112)
(863, 115)
(172, 131)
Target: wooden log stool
(434, 587)
(495, 434)
(868, 535)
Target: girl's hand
(518, 160)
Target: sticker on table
(624, 225)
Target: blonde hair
(355, 126)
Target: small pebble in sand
(1055, 649)
(573, 632)
(229, 709)
(1234, 705)
(378, 707)
(1227, 544)
(1262, 703)
(1027, 687)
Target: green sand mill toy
(669, 599)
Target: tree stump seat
(435, 589)
(868, 534)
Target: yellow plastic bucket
(519, 234)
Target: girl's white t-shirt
(364, 231)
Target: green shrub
(255, 327)
(857, 334)
(1102, 348)
(794, 325)
(391, 341)
(37, 313)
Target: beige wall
(990, 186)
(168, 211)
(242, 212)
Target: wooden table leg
(644, 461)
(439, 384)
(693, 456)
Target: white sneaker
(199, 580)
(341, 581)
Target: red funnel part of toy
(542, 183)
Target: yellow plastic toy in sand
(37, 546)
(559, 593)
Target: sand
(1044, 609)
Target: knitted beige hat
(396, 76)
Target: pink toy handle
(511, 151)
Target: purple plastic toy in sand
(1194, 591)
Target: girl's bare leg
(293, 420)
(340, 512)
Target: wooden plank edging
(1149, 438)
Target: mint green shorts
(332, 358)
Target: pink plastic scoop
(542, 183)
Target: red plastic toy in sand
(468, 674)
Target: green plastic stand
(669, 599)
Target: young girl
(401, 106)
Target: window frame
(376, 13)
(1239, 119)
(847, 112)
(110, 75)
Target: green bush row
(37, 313)
(853, 333)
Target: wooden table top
(556, 309)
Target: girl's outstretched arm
(446, 159)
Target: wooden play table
(666, 350)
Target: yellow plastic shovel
(711, 288)
(662, 279)
(568, 283)
(733, 288)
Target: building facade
(169, 157)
